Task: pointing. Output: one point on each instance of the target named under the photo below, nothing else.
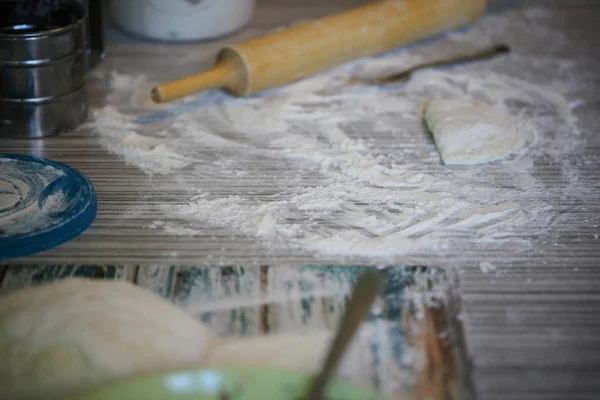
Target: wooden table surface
(531, 327)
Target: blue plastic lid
(43, 204)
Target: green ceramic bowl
(224, 384)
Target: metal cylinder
(42, 68)
(44, 80)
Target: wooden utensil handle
(288, 55)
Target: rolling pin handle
(223, 75)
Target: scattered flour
(19, 190)
(13, 190)
(54, 203)
(339, 169)
(486, 267)
(150, 154)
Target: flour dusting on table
(333, 168)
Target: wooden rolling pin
(291, 54)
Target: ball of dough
(470, 132)
(63, 338)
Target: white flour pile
(349, 170)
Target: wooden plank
(222, 297)
(257, 301)
(159, 279)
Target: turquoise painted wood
(248, 302)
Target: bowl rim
(231, 369)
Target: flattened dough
(293, 351)
(469, 132)
(63, 338)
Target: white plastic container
(181, 20)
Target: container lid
(43, 204)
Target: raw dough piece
(63, 338)
(471, 132)
(293, 351)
